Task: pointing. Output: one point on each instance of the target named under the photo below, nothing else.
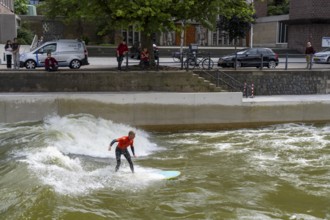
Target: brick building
(8, 21)
(309, 21)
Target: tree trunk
(146, 42)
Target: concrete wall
(165, 111)
(7, 27)
(97, 80)
(268, 82)
(266, 31)
(275, 82)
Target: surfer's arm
(132, 149)
(112, 142)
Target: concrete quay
(169, 111)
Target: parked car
(68, 53)
(322, 56)
(250, 57)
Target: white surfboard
(169, 174)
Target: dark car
(250, 57)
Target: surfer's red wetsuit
(123, 143)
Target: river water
(60, 168)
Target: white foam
(68, 175)
(57, 163)
(90, 136)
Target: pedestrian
(145, 58)
(309, 52)
(16, 48)
(40, 41)
(122, 49)
(9, 53)
(51, 63)
(123, 143)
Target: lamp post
(251, 30)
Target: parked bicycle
(176, 57)
(202, 62)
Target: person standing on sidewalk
(8, 53)
(122, 49)
(309, 52)
(16, 47)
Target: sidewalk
(106, 62)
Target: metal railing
(192, 61)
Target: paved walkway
(111, 62)
(288, 99)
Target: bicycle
(176, 57)
(192, 61)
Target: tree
(278, 7)
(21, 7)
(148, 16)
(237, 27)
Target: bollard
(126, 57)
(286, 61)
(262, 62)
(245, 90)
(252, 90)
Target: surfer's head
(131, 135)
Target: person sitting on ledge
(144, 58)
(51, 63)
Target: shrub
(24, 36)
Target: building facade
(8, 21)
(309, 21)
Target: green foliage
(24, 36)
(279, 7)
(21, 7)
(237, 24)
(147, 16)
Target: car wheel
(30, 64)
(328, 60)
(75, 64)
(272, 64)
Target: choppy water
(60, 169)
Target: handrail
(217, 78)
(286, 61)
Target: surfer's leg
(118, 154)
(128, 158)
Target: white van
(68, 53)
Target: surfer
(123, 143)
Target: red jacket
(145, 56)
(121, 49)
(50, 62)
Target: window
(48, 48)
(282, 33)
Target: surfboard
(169, 174)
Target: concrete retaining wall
(102, 81)
(269, 82)
(164, 111)
(274, 82)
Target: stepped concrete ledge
(165, 111)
